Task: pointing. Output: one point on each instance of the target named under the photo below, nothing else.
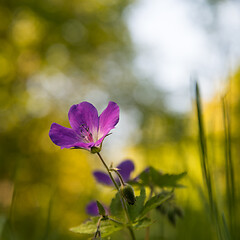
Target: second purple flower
(125, 169)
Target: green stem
(121, 196)
(119, 175)
(147, 235)
(98, 233)
(113, 220)
(109, 173)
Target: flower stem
(147, 235)
(98, 233)
(119, 176)
(121, 196)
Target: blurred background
(142, 54)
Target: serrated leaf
(101, 209)
(144, 177)
(107, 227)
(116, 208)
(134, 210)
(154, 202)
(168, 180)
(154, 177)
(143, 223)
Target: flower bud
(95, 149)
(128, 194)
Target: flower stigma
(86, 134)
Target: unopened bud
(95, 149)
(128, 194)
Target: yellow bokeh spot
(27, 29)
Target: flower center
(85, 133)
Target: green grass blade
(230, 180)
(225, 229)
(205, 167)
(203, 150)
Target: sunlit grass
(226, 229)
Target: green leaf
(168, 180)
(101, 209)
(143, 223)
(154, 177)
(154, 202)
(116, 208)
(134, 210)
(144, 177)
(107, 227)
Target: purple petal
(99, 141)
(92, 209)
(62, 136)
(102, 177)
(84, 145)
(84, 114)
(125, 169)
(108, 119)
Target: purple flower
(88, 129)
(92, 209)
(125, 169)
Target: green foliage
(170, 209)
(107, 227)
(154, 202)
(101, 209)
(135, 210)
(128, 194)
(116, 207)
(142, 223)
(229, 170)
(217, 215)
(2, 223)
(154, 177)
(169, 180)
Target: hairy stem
(119, 175)
(98, 233)
(121, 196)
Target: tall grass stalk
(229, 167)
(203, 151)
(49, 211)
(207, 175)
